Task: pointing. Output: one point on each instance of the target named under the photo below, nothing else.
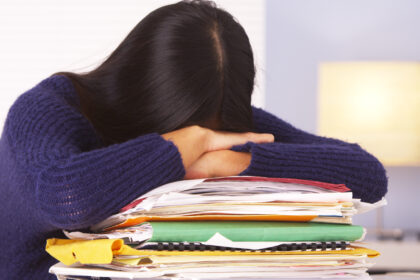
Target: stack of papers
(238, 226)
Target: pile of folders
(229, 227)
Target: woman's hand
(190, 141)
(194, 141)
(217, 164)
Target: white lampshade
(375, 104)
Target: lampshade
(375, 104)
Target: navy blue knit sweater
(55, 175)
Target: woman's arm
(77, 183)
(298, 154)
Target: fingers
(225, 140)
(260, 137)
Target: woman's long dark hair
(185, 63)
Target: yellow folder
(102, 251)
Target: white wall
(300, 34)
(38, 38)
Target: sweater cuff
(252, 168)
(248, 147)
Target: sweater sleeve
(78, 183)
(299, 154)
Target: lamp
(375, 104)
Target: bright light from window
(376, 104)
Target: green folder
(201, 231)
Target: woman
(172, 102)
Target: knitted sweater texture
(54, 174)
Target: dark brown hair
(185, 63)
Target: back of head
(183, 64)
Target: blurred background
(347, 69)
